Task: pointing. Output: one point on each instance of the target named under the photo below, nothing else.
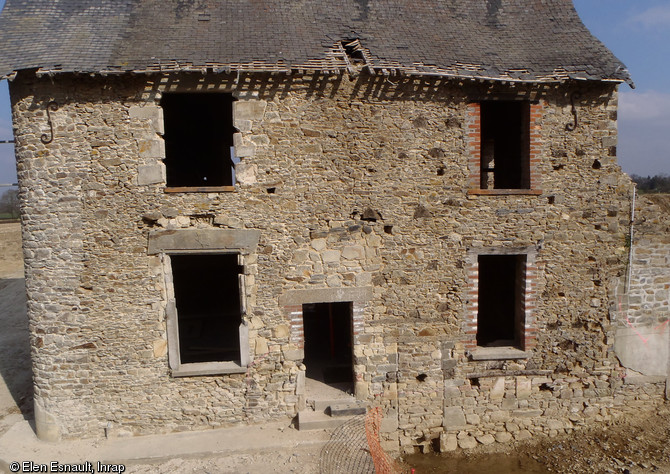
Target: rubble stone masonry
(359, 189)
(649, 295)
(641, 303)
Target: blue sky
(638, 32)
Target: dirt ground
(634, 445)
(297, 460)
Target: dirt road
(15, 375)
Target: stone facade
(361, 190)
(642, 299)
(649, 295)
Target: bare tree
(9, 204)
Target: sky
(637, 32)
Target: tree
(659, 183)
(9, 204)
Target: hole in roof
(353, 49)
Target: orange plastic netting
(384, 464)
(354, 448)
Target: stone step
(311, 420)
(347, 409)
(322, 405)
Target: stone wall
(649, 295)
(359, 188)
(643, 296)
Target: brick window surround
(526, 326)
(294, 313)
(474, 147)
(292, 302)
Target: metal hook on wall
(51, 107)
(573, 97)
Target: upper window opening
(198, 139)
(207, 297)
(505, 146)
(501, 300)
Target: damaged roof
(509, 40)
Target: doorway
(328, 344)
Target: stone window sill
(200, 189)
(505, 192)
(498, 353)
(208, 368)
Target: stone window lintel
(203, 240)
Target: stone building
(225, 203)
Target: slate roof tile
(497, 39)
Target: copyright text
(55, 466)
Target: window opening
(198, 139)
(505, 145)
(328, 343)
(500, 316)
(207, 297)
